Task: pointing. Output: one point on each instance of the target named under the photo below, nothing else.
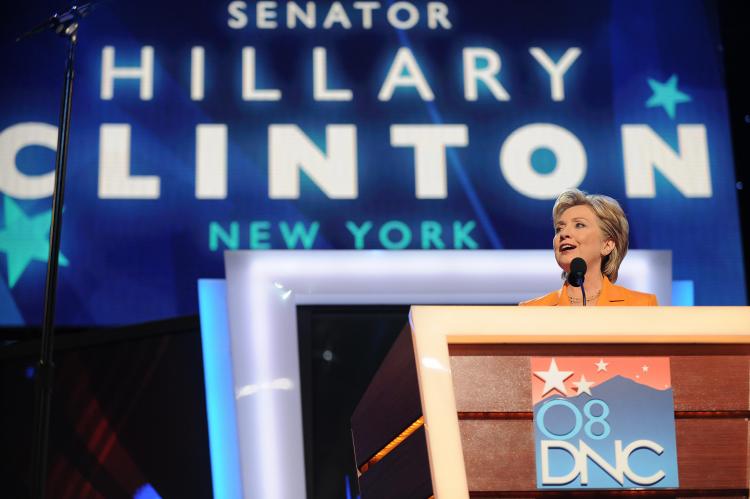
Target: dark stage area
(128, 413)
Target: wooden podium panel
(711, 422)
(711, 461)
(474, 429)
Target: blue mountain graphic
(635, 412)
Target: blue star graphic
(24, 239)
(666, 95)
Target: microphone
(59, 23)
(577, 275)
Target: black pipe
(46, 367)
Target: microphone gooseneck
(577, 275)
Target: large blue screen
(205, 126)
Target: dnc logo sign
(604, 423)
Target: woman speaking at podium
(591, 239)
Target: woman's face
(577, 234)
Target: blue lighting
(146, 492)
(348, 488)
(683, 293)
(217, 369)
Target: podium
(449, 412)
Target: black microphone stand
(577, 282)
(583, 292)
(65, 25)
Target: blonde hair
(612, 222)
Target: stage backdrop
(205, 126)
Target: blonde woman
(592, 227)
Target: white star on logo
(553, 378)
(601, 365)
(645, 368)
(583, 386)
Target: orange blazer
(611, 296)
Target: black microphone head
(577, 271)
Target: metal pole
(46, 366)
